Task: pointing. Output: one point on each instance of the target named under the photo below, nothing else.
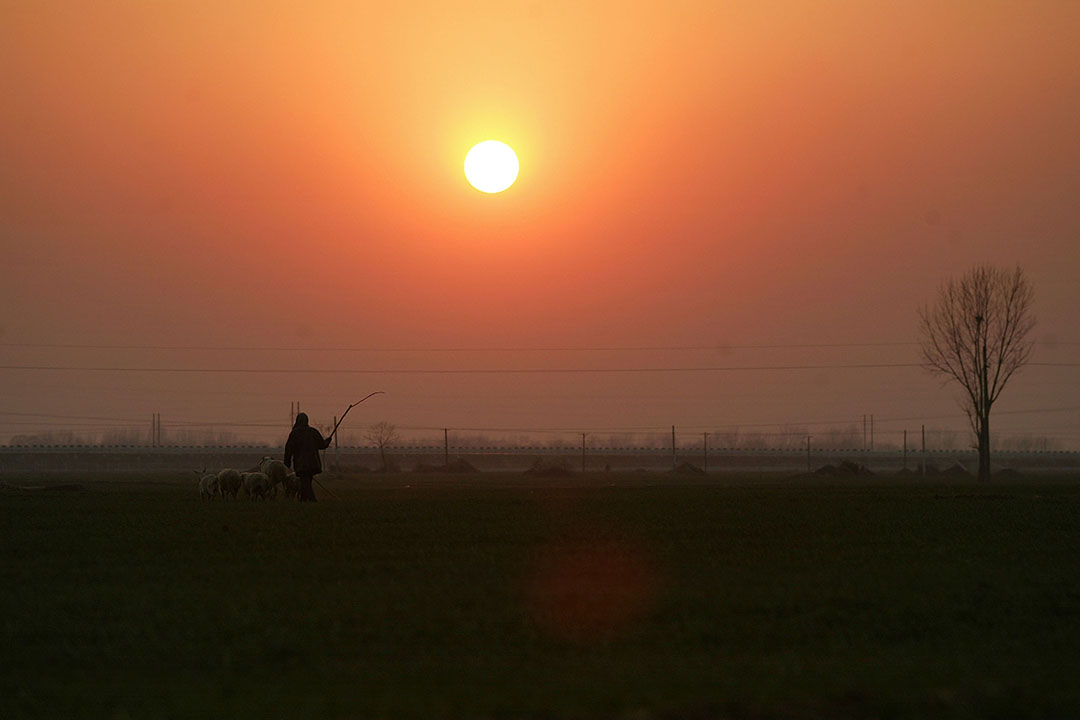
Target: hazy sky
(289, 175)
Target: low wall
(510, 459)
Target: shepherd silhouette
(302, 454)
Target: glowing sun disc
(491, 166)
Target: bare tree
(977, 335)
(382, 434)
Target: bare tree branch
(382, 435)
(977, 334)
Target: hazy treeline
(127, 436)
(792, 437)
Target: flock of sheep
(256, 484)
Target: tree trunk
(984, 448)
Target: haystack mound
(686, 468)
(61, 487)
(846, 469)
(851, 468)
(956, 471)
(454, 466)
(542, 469)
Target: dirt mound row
(845, 469)
(542, 469)
(453, 467)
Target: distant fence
(99, 458)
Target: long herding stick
(332, 432)
(328, 490)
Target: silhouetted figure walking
(302, 454)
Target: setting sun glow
(491, 166)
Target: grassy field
(496, 596)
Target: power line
(478, 349)
(483, 371)
(265, 423)
(174, 423)
(951, 416)
(482, 349)
(185, 424)
(457, 371)
(811, 423)
(59, 423)
(71, 417)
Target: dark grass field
(495, 596)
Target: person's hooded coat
(303, 446)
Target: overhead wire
(456, 371)
(486, 371)
(485, 349)
(264, 423)
(462, 349)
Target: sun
(491, 166)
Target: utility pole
(871, 432)
(924, 451)
(446, 447)
(674, 459)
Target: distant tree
(728, 438)
(382, 435)
(203, 437)
(124, 436)
(976, 334)
(840, 437)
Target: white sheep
(292, 485)
(256, 485)
(229, 482)
(277, 472)
(208, 484)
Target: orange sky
(260, 173)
